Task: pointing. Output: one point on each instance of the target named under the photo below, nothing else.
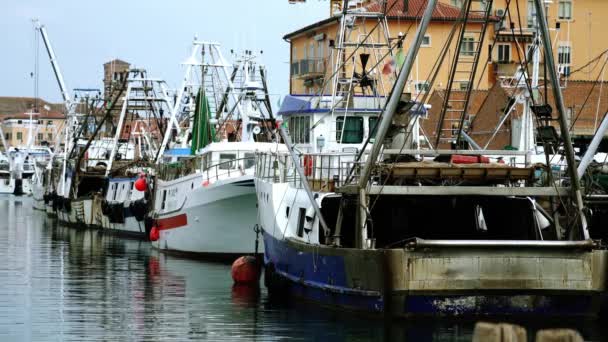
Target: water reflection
(60, 283)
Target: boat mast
(563, 124)
(190, 63)
(387, 116)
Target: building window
(50, 136)
(299, 129)
(353, 130)
(564, 55)
(464, 85)
(50, 122)
(467, 46)
(40, 137)
(426, 40)
(19, 136)
(320, 52)
(457, 3)
(422, 87)
(504, 53)
(565, 9)
(7, 136)
(531, 13)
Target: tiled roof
(42, 115)
(395, 11)
(12, 105)
(416, 9)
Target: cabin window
(565, 9)
(504, 53)
(301, 220)
(467, 46)
(227, 161)
(299, 129)
(373, 122)
(115, 189)
(353, 130)
(162, 205)
(249, 160)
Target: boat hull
(403, 284)
(213, 222)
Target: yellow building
(313, 54)
(576, 32)
(576, 28)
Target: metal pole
(395, 96)
(190, 63)
(561, 108)
(595, 143)
(470, 140)
(119, 130)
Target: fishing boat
(205, 203)
(394, 229)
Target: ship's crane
(67, 99)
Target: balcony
(308, 68)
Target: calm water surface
(65, 284)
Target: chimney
(406, 5)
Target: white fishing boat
(205, 204)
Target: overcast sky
(153, 34)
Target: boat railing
(181, 168)
(228, 168)
(328, 171)
(323, 171)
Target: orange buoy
(245, 270)
(140, 184)
(154, 234)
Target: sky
(153, 34)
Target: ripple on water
(66, 284)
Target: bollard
(499, 332)
(558, 335)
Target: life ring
(307, 165)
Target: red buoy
(245, 270)
(140, 184)
(154, 234)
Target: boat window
(373, 121)
(162, 205)
(353, 130)
(249, 160)
(115, 188)
(299, 129)
(301, 220)
(227, 161)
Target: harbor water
(62, 283)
